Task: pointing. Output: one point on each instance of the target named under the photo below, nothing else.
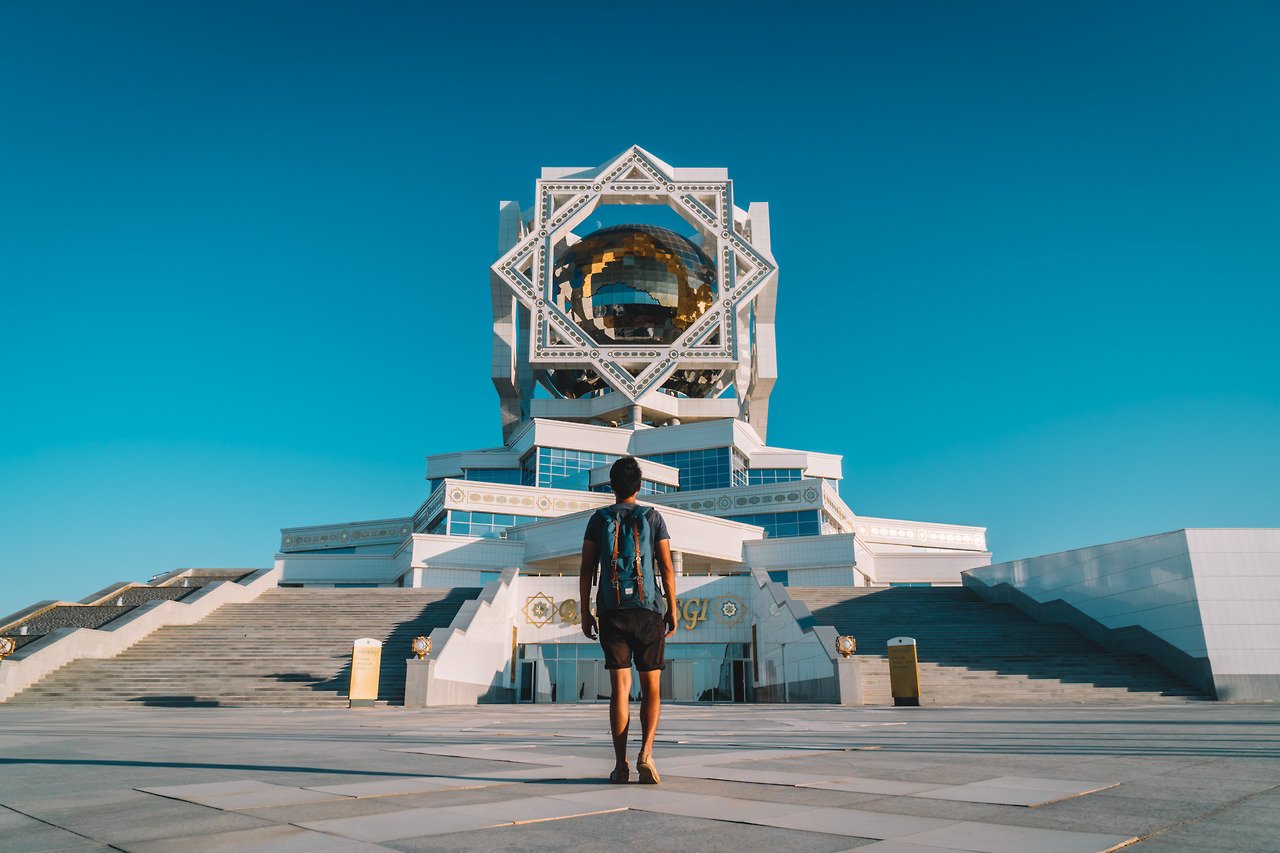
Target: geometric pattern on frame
(704, 337)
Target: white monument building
(633, 314)
(634, 340)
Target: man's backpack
(626, 574)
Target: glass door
(528, 679)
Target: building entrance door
(696, 672)
(532, 684)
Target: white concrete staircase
(977, 653)
(287, 648)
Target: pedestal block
(417, 679)
(849, 680)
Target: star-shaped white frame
(634, 177)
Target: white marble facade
(1204, 602)
(733, 502)
(739, 510)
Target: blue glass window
(486, 524)
(567, 469)
(510, 476)
(716, 468)
(647, 487)
(778, 525)
(757, 476)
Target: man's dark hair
(624, 477)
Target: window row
(647, 487)
(758, 476)
(778, 525)
(486, 524)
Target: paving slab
(739, 774)
(20, 832)
(1094, 813)
(976, 792)
(410, 823)
(1075, 787)
(861, 785)
(1190, 787)
(805, 796)
(532, 809)
(208, 789)
(509, 756)
(896, 846)
(1206, 768)
(631, 796)
(856, 822)
(262, 796)
(269, 839)
(724, 808)
(749, 757)
(118, 815)
(393, 787)
(642, 831)
(999, 838)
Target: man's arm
(585, 572)
(668, 582)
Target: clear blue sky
(1029, 253)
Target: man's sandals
(621, 775)
(648, 773)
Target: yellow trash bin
(904, 671)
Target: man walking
(625, 542)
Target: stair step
(288, 647)
(974, 651)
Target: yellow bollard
(366, 661)
(904, 672)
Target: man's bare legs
(650, 711)
(650, 708)
(620, 714)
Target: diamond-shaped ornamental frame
(634, 177)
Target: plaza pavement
(1198, 776)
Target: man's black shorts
(637, 630)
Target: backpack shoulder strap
(605, 515)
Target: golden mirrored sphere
(634, 284)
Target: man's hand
(670, 619)
(588, 624)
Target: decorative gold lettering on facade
(569, 612)
(729, 610)
(692, 611)
(541, 609)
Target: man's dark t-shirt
(636, 630)
(657, 526)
